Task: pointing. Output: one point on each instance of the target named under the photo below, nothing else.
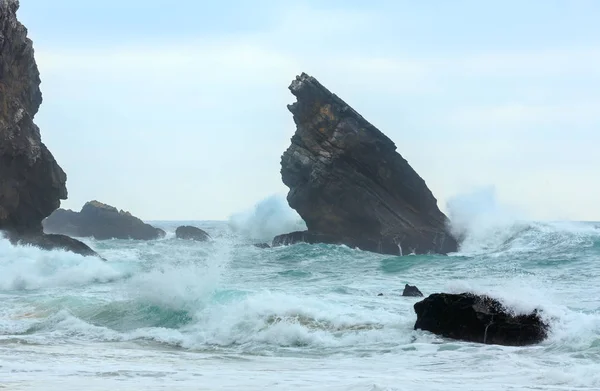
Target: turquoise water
(172, 314)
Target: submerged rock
(32, 183)
(350, 185)
(474, 318)
(411, 290)
(191, 233)
(100, 221)
(262, 245)
(160, 232)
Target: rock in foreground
(101, 222)
(31, 181)
(52, 242)
(473, 318)
(350, 185)
(191, 233)
(411, 290)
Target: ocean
(224, 315)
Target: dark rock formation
(473, 318)
(160, 233)
(50, 242)
(193, 233)
(350, 185)
(101, 222)
(411, 290)
(31, 181)
(262, 245)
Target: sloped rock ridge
(100, 221)
(31, 181)
(349, 184)
(475, 318)
(51, 242)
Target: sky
(177, 110)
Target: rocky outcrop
(411, 290)
(474, 318)
(31, 181)
(350, 185)
(100, 221)
(191, 233)
(51, 242)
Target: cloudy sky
(177, 110)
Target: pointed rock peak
(350, 185)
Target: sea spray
(187, 279)
(481, 222)
(267, 219)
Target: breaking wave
(227, 297)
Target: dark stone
(350, 185)
(381, 294)
(101, 222)
(411, 290)
(262, 245)
(474, 318)
(31, 181)
(192, 233)
(51, 242)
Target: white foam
(283, 320)
(26, 268)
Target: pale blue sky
(177, 110)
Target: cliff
(31, 181)
(350, 185)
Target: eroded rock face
(474, 318)
(191, 233)
(350, 185)
(31, 181)
(100, 221)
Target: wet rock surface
(351, 186)
(474, 318)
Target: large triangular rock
(350, 185)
